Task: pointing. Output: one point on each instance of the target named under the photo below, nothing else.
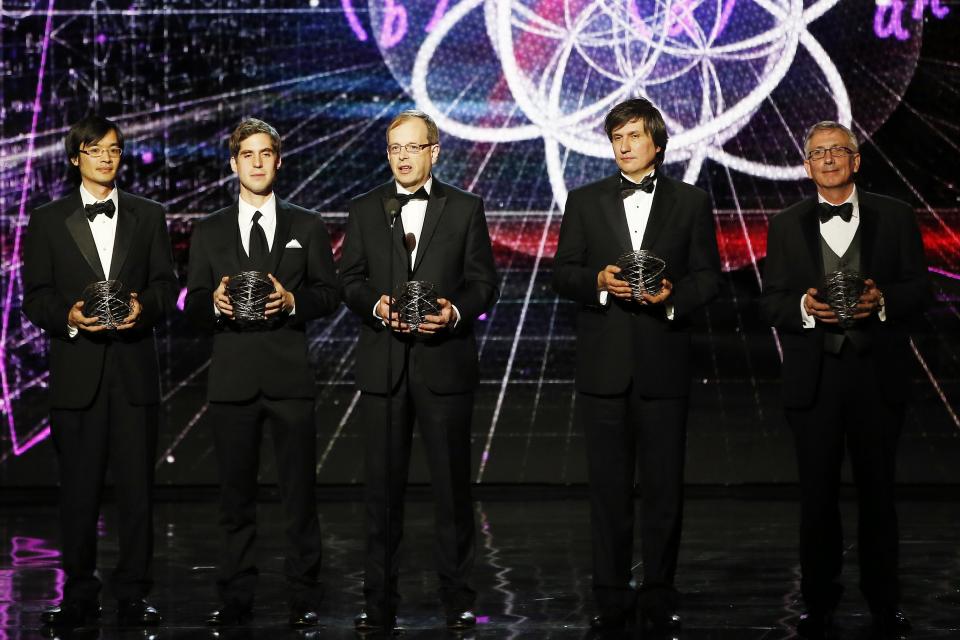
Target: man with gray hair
(845, 370)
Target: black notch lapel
(127, 218)
(430, 221)
(611, 204)
(663, 197)
(810, 226)
(281, 233)
(398, 240)
(79, 229)
(868, 236)
(229, 241)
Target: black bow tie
(628, 187)
(827, 211)
(419, 194)
(106, 208)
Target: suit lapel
(868, 235)
(127, 218)
(387, 192)
(79, 230)
(228, 243)
(663, 198)
(280, 235)
(431, 219)
(810, 226)
(611, 204)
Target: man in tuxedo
(633, 358)
(844, 386)
(259, 372)
(104, 380)
(439, 236)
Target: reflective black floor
(738, 571)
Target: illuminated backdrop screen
(519, 89)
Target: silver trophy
(415, 300)
(643, 271)
(249, 292)
(842, 291)
(108, 301)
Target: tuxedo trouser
(618, 430)
(109, 431)
(850, 412)
(444, 423)
(238, 433)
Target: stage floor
(738, 571)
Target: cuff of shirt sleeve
(456, 312)
(671, 311)
(72, 332)
(376, 306)
(602, 297)
(809, 322)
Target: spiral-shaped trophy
(842, 291)
(249, 292)
(415, 300)
(643, 271)
(108, 301)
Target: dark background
(178, 76)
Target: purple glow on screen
(353, 21)
(101, 38)
(147, 157)
(889, 17)
(182, 298)
(17, 447)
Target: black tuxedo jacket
(60, 259)
(621, 340)
(272, 361)
(891, 254)
(454, 254)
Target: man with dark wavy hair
(260, 376)
(845, 384)
(104, 380)
(633, 358)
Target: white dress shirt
(104, 231)
(412, 215)
(268, 221)
(838, 234)
(637, 207)
(245, 212)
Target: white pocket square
(293, 244)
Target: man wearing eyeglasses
(104, 380)
(440, 236)
(260, 375)
(844, 385)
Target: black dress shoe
(814, 624)
(137, 613)
(71, 614)
(901, 622)
(460, 620)
(231, 614)
(889, 624)
(303, 616)
(608, 622)
(369, 621)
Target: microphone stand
(393, 207)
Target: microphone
(393, 209)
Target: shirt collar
(853, 199)
(426, 187)
(268, 209)
(88, 198)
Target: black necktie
(420, 194)
(628, 187)
(259, 250)
(827, 211)
(106, 208)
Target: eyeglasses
(836, 152)
(413, 148)
(96, 152)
